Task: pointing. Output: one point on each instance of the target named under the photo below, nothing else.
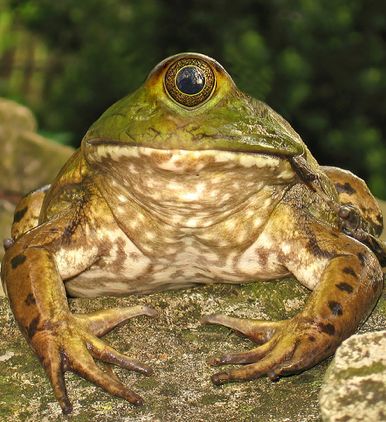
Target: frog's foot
(71, 344)
(286, 347)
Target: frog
(188, 181)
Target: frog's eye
(189, 81)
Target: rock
(177, 347)
(354, 388)
(16, 116)
(28, 160)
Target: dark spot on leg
(327, 328)
(378, 229)
(345, 188)
(263, 257)
(30, 299)
(316, 250)
(336, 308)
(345, 287)
(79, 201)
(7, 243)
(349, 270)
(362, 258)
(18, 260)
(33, 327)
(311, 338)
(121, 254)
(19, 214)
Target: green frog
(188, 181)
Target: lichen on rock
(355, 384)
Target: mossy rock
(354, 388)
(177, 347)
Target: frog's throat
(188, 188)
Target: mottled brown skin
(162, 196)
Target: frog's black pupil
(190, 80)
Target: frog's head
(189, 102)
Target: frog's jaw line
(174, 159)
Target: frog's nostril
(190, 81)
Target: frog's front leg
(346, 279)
(63, 341)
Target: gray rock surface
(176, 346)
(354, 388)
(28, 160)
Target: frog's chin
(101, 152)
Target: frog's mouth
(283, 146)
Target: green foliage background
(320, 63)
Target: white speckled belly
(184, 218)
(191, 265)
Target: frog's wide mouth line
(124, 148)
(177, 159)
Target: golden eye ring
(190, 81)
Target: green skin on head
(173, 188)
(229, 120)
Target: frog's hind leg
(27, 212)
(353, 191)
(32, 274)
(346, 279)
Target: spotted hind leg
(348, 290)
(346, 279)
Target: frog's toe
(267, 361)
(85, 366)
(101, 322)
(105, 353)
(54, 369)
(70, 346)
(246, 373)
(249, 356)
(259, 331)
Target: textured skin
(160, 196)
